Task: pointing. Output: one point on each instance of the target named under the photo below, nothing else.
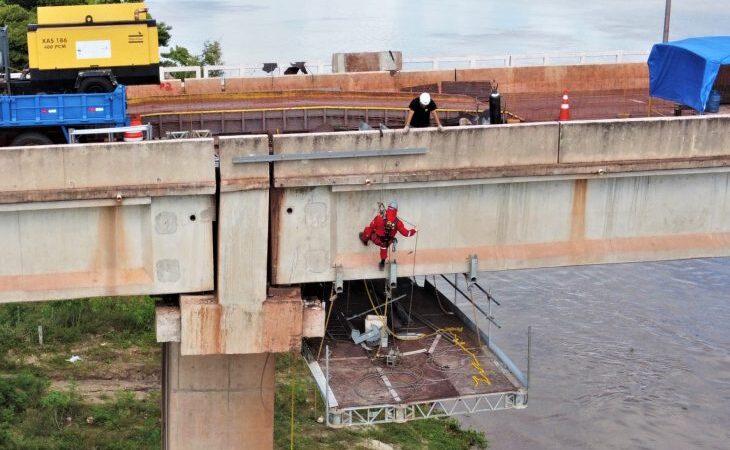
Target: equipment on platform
(713, 102)
(270, 67)
(87, 49)
(495, 105)
(295, 67)
(375, 332)
(393, 358)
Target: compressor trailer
(85, 48)
(47, 118)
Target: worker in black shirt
(419, 115)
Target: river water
(257, 31)
(624, 356)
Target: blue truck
(43, 119)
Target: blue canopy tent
(685, 71)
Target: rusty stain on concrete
(71, 280)
(512, 256)
(578, 210)
(282, 316)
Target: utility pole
(667, 13)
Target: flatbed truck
(44, 119)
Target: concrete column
(217, 402)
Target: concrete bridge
(235, 240)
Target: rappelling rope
(292, 378)
(415, 254)
(438, 299)
(413, 281)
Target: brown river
(624, 356)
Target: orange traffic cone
(565, 107)
(134, 136)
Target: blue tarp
(684, 71)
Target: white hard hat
(393, 204)
(425, 98)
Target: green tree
(212, 55)
(163, 34)
(16, 19)
(179, 56)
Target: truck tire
(31, 138)
(96, 85)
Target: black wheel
(96, 85)
(31, 138)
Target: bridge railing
(435, 63)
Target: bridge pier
(217, 401)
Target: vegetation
(41, 403)
(17, 18)
(45, 402)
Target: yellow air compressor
(91, 48)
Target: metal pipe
(490, 318)
(489, 296)
(456, 289)
(327, 385)
(375, 309)
(529, 350)
(489, 324)
(667, 14)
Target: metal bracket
(473, 268)
(330, 155)
(392, 274)
(339, 284)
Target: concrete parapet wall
(583, 78)
(202, 86)
(84, 171)
(644, 139)
(164, 89)
(455, 153)
(238, 177)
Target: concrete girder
(106, 219)
(517, 196)
(507, 225)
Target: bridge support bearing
(217, 401)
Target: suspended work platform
(434, 365)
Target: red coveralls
(382, 231)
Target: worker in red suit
(382, 230)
